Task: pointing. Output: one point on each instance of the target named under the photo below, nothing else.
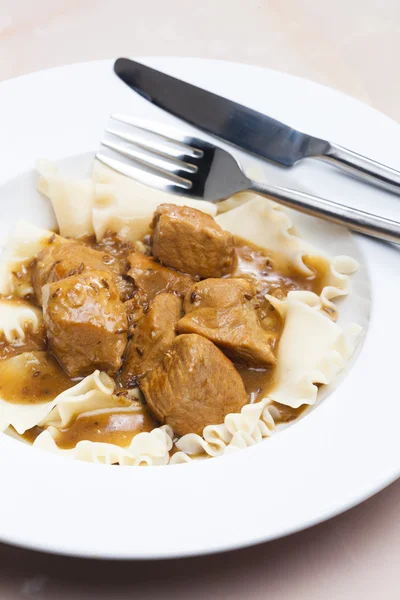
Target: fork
(191, 167)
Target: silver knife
(246, 128)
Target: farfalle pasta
(109, 289)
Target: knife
(246, 128)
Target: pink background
(351, 45)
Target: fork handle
(363, 167)
(352, 218)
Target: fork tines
(149, 155)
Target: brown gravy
(30, 435)
(32, 378)
(111, 244)
(257, 382)
(274, 277)
(175, 450)
(113, 426)
(33, 341)
(286, 414)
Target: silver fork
(194, 168)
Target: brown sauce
(32, 377)
(30, 435)
(272, 276)
(286, 414)
(113, 426)
(257, 382)
(112, 244)
(33, 341)
(175, 450)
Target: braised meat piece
(123, 282)
(151, 278)
(152, 337)
(115, 251)
(224, 311)
(64, 258)
(86, 323)
(191, 241)
(135, 310)
(195, 385)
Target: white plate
(345, 450)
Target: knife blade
(244, 127)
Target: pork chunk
(191, 241)
(135, 310)
(195, 385)
(224, 311)
(151, 338)
(64, 258)
(151, 278)
(86, 323)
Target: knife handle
(363, 167)
(352, 218)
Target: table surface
(351, 45)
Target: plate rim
(368, 492)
